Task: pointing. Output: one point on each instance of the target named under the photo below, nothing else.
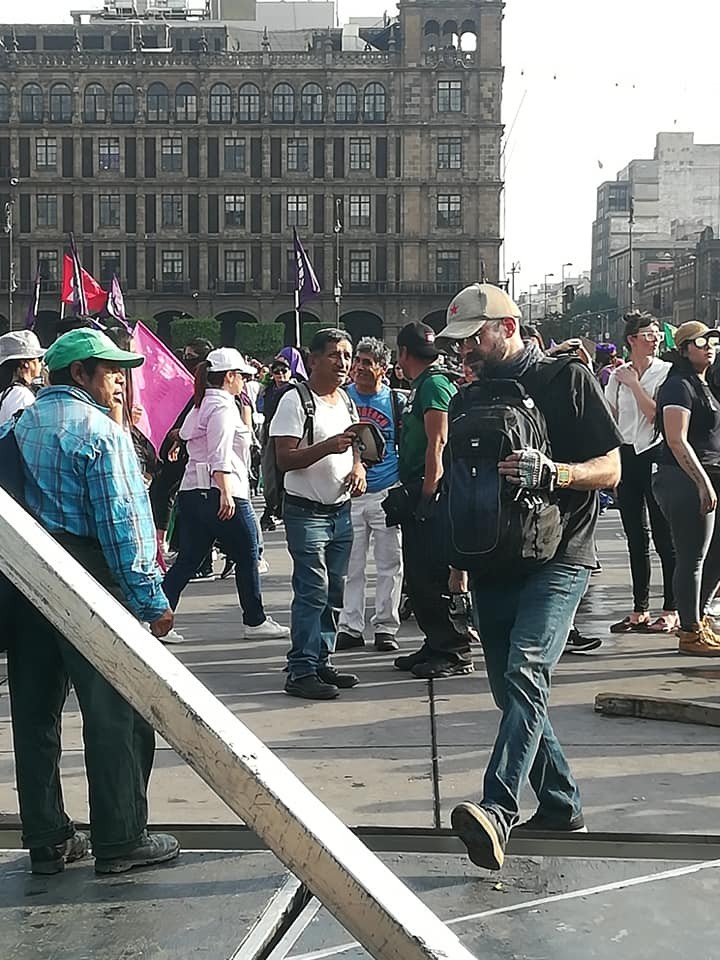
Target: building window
(447, 268)
(449, 213)
(235, 154)
(220, 104)
(94, 104)
(109, 210)
(311, 104)
(48, 265)
(449, 153)
(46, 153)
(60, 103)
(283, 103)
(46, 210)
(450, 96)
(297, 211)
(234, 210)
(158, 103)
(172, 267)
(234, 267)
(186, 103)
(171, 154)
(109, 265)
(374, 103)
(360, 210)
(249, 104)
(346, 104)
(123, 110)
(359, 153)
(297, 155)
(4, 103)
(172, 210)
(359, 266)
(32, 103)
(109, 153)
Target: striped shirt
(82, 477)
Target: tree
(596, 302)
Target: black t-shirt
(580, 427)
(704, 426)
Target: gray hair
(379, 351)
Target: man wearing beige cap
(524, 618)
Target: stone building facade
(184, 169)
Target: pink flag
(161, 386)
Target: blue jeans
(319, 544)
(523, 628)
(199, 529)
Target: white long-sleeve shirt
(217, 440)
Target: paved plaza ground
(369, 754)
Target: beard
(491, 354)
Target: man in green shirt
(445, 652)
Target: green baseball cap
(84, 344)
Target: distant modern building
(183, 150)
(674, 197)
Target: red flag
(95, 296)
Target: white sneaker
(172, 637)
(269, 629)
(263, 566)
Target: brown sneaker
(709, 627)
(699, 642)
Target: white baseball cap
(20, 345)
(228, 358)
(470, 310)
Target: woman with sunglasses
(687, 482)
(631, 393)
(214, 498)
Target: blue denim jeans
(199, 529)
(523, 627)
(319, 544)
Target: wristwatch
(563, 475)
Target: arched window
(468, 36)
(346, 103)
(311, 103)
(283, 103)
(450, 34)
(4, 103)
(94, 103)
(431, 32)
(158, 103)
(374, 103)
(123, 104)
(60, 103)
(249, 104)
(32, 103)
(220, 103)
(186, 103)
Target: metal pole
(298, 324)
(547, 276)
(338, 277)
(9, 230)
(631, 281)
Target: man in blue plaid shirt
(84, 485)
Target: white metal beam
(359, 890)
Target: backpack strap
(397, 415)
(308, 405)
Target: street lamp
(547, 275)
(562, 272)
(530, 300)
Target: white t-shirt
(632, 422)
(17, 397)
(324, 481)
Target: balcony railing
(390, 287)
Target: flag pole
(298, 325)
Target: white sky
(602, 79)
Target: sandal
(628, 625)
(663, 625)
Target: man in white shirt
(314, 446)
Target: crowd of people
(356, 451)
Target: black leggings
(697, 543)
(636, 501)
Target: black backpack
(490, 526)
(273, 487)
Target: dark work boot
(47, 861)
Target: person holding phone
(687, 481)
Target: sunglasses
(706, 340)
(281, 369)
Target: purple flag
(306, 283)
(34, 304)
(116, 304)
